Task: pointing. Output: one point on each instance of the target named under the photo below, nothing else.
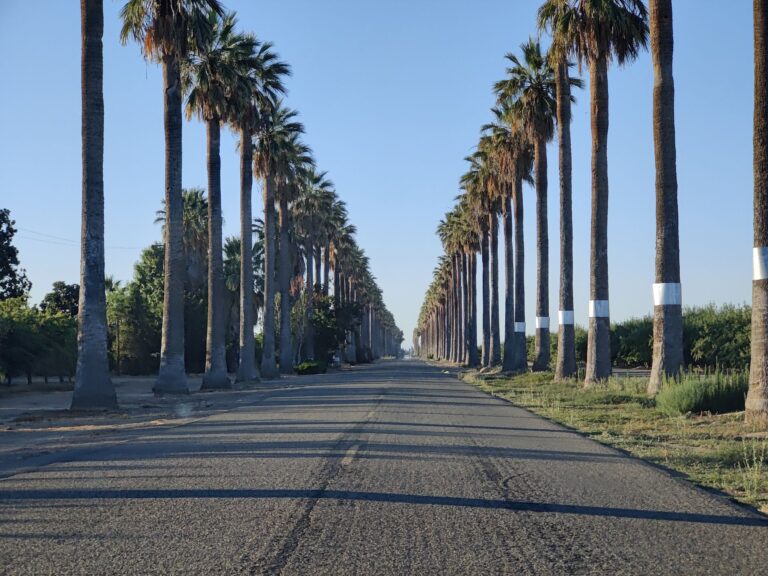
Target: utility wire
(60, 241)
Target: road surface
(392, 469)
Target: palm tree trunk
(486, 359)
(757, 398)
(495, 358)
(472, 273)
(284, 277)
(667, 310)
(541, 354)
(309, 291)
(268, 365)
(246, 369)
(326, 268)
(509, 287)
(466, 318)
(520, 345)
(599, 339)
(336, 283)
(318, 255)
(460, 355)
(215, 348)
(171, 377)
(93, 386)
(566, 341)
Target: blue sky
(393, 94)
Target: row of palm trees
(224, 78)
(533, 103)
(533, 99)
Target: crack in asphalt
(331, 469)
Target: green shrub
(717, 336)
(632, 343)
(311, 367)
(716, 393)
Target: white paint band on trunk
(598, 309)
(565, 316)
(760, 263)
(542, 322)
(520, 327)
(667, 294)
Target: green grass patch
(716, 393)
(311, 367)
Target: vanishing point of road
(395, 468)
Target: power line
(60, 241)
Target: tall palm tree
(667, 310)
(510, 148)
(529, 93)
(216, 76)
(93, 386)
(295, 160)
(559, 53)
(493, 249)
(475, 183)
(162, 28)
(266, 75)
(757, 398)
(312, 208)
(275, 127)
(598, 31)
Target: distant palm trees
(535, 97)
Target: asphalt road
(394, 469)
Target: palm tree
(232, 270)
(294, 162)
(493, 248)
(312, 208)
(162, 28)
(195, 236)
(216, 77)
(565, 366)
(474, 182)
(667, 312)
(93, 386)
(757, 398)
(596, 31)
(266, 84)
(529, 93)
(275, 126)
(510, 148)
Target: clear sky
(393, 93)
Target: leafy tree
(62, 298)
(13, 280)
(35, 342)
(329, 334)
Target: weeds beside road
(714, 450)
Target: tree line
(533, 106)
(316, 278)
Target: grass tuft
(716, 393)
